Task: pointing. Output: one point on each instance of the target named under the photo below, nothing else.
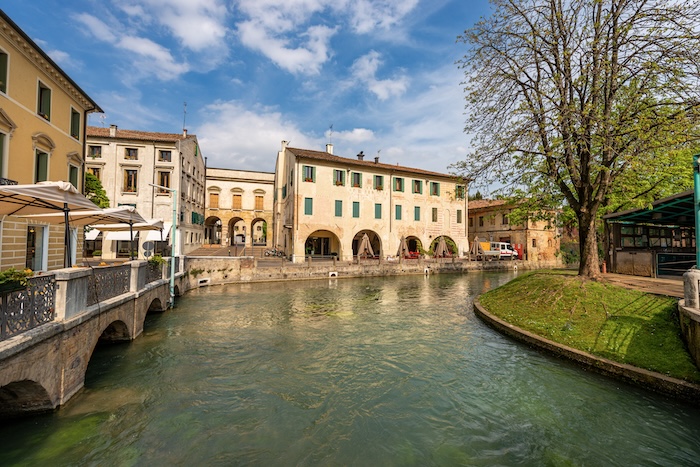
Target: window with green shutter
(41, 167)
(398, 184)
(309, 206)
(459, 216)
(377, 211)
(416, 213)
(338, 208)
(397, 208)
(355, 209)
(434, 189)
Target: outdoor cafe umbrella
(134, 223)
(43, 198)
(403, 248)
(441, 249)
(121, 214)
(365, 247)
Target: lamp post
(696, 183)
(173, 240)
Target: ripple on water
(381, 371)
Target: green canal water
(364, 372)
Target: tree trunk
(588, 247)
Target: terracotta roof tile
(327, 157)
(136, 135)
(485, 203)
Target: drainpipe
(696, 184)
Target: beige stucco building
(534, 240)
(324, 204)
(239, 209)
(43, 115)
(130, 162)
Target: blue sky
(256, 72)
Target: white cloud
(151, 57)
(247, 138)
(367, 15)
(354, 136)
(365, 70)
(305, 59)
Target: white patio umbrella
(143, 224)
(43, 198)
(403, 248)
(365, 247)
(441, 249)
(126, 215)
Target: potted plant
(156, 260)
(97, 254)
(14, 279)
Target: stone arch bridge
(51, 328)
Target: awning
(675, 210)
(158, 235)
(92, 234)
(123, 235)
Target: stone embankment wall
(208, 270)
(689, 313)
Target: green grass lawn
(622, 325)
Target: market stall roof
(676, 210)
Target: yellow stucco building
(43, 115)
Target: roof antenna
(184, 116)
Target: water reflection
(380, 371)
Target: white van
(504, 250)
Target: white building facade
(130, 162)
(324, 205)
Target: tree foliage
(95, 192)
(573, 101)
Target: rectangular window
(356, 179)
(131, 154)
(459, 216)
(339, 177)
(534, 243)
(44, 104)
(417, 186)
(73, 175)
(377, 211)
(130, 180)
(41, 168)
(309, 206)
(164, 181)
(96, 172)
(481, 221)
(471, 222)
(214, 200)
(259, 202)
(95, 151)
(355, 209)
(435, 215)
(459, 191)
(74, 123)
(164, 156)
(284, 193)
(237, 202)
(504, 219)
(397, 213)
(338, 208)
(309, 173)
(378, 182)
(434, 189)
(416, 213)
(3, 72)
(398, 184)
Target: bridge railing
(28, 307)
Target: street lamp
(173, 240)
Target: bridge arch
(22, 397)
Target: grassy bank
(622, 325)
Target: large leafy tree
(574, 101)
(95, 192)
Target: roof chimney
(361, 156)
(284, 144)
(376, 160)
(184, 132)
(329, 148)
(113, 131)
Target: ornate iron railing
(28, 307)
(154, 272)
(105, 283)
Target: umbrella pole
(131, 243)
(67, 262)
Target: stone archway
(237, 232)
(212, 230)
(414, 244)
(258, 229)
(374, 240)
(451, 245)
(322, 244)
